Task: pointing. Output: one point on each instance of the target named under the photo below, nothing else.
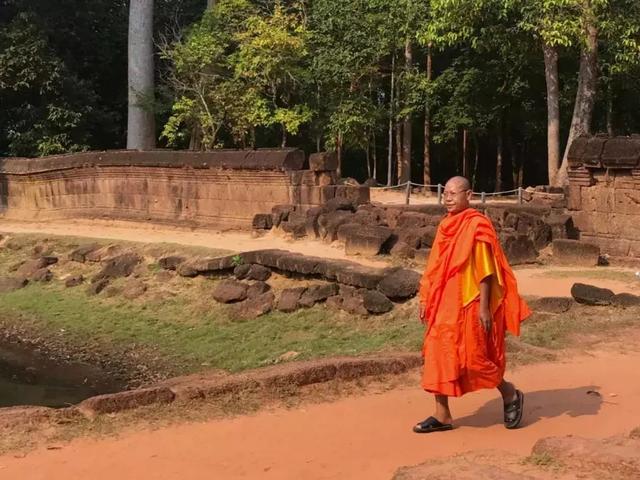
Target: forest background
(400, 89)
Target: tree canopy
(494, 89)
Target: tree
(141, 97)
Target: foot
(431, 425)
(513, 411)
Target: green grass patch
(190, 337)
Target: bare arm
(485, 296)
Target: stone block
(323, 162)
(400, 284)
(171, 262)
(519, 249)
(375, 302)
(591, 295)
(317, 293)
(574, 198)
(289, 299)
(592, 154)
(121, 401)
(358, 195)
(255, 307)
(367, 241)
(230, 291)
(577, 151)
(262, 221)
(621, 152)
(574, 252)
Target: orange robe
(459, 356)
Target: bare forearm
(485, 293)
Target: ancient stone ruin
(221, 189)
(604, 192)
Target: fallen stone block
(317, 293)
(376, 303)
(323, 162)
(255, 307)
(80, 254)
(289, 299)
(399, 284)
(118, 402)
(551, 304)
(74, 281)
(118, 267)
(262, 221)
(574, 252)
(98, 286)
(171, 262)
(30, 267)
(519, 249)
(366, 241)
(590, 295)
(625, 300)
(257, 288)
(230, 291)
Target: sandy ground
(398, 196)
(366, 437)
(531, 281)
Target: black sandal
(513, 411)
(431, 425)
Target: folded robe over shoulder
(460, 357)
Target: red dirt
(365, 437)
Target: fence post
(519, 195)
(406, 200)
(483, 197)
(439, 194)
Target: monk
(468, 299)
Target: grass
(191, 336)
(543, 460)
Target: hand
(422, 311)
(485, 319)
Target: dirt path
(135, 232)
(365, 437)
(530, 280)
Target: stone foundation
(604, 192)
(222, 189)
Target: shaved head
(461, 183)
(457, 194)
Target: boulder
(329, 223)
(262, 221)
(134, 289)
(289, 299)
(74, 281)
(574, 252)
(42, 275)
(30, 267)
(367, 241)
(206, 266)
(296, 225)
(103, 254)
(317, 293)
(80, 253)
(551, 304)
(354, 305)
(402, 250)
(255, 307)
(519, 249)
(625, 300)
(280, 213)
(118, 267)
(97, 286)
(358, 276)
(8, 284)
(171, 262)
(257, 288)
(399, 284)
(591, 295)
(230, 291)
(375, 302)
(259, 273)
(241, 271)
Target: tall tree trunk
(426, 174)
(399, 152)
(499, 157)
(368, 160)
(391, 115)
(141, 133)
(586, 94)
(407, 130)
(611, 131)
(211, 3)
(553, 110)
(476, 160)
(339, 153)
(283, 143)
(465, 162)
(375, 156)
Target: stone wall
(222, 189)
(604, 192)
